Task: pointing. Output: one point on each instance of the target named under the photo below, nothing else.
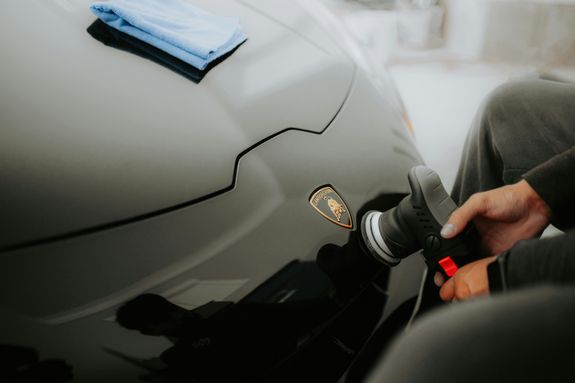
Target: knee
(425, 353)
(499, 113)
(433, 349)
(486, 340)
(503, 102)
(508, 93)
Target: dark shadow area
(20, 364)
(380, 340)
(394, 325)
(224, 341)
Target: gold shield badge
(330, 205)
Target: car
(120, 177)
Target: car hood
(93, 136)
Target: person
(517, 175)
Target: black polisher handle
(429, 209)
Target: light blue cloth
(174, 26)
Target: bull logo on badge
(330, 205)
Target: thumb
(461, 217)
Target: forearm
(554, 182)
(549, 260)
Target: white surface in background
(536, 31)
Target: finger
(461, 217)
(462, 291)
(438, 279)
(447, 291)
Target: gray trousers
(519, 126)
(521, 336)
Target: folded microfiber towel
(120, 40)
(174, 26)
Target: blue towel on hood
(174, 26)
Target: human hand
(502, 216)
(469, 281)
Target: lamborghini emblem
(329, 204)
